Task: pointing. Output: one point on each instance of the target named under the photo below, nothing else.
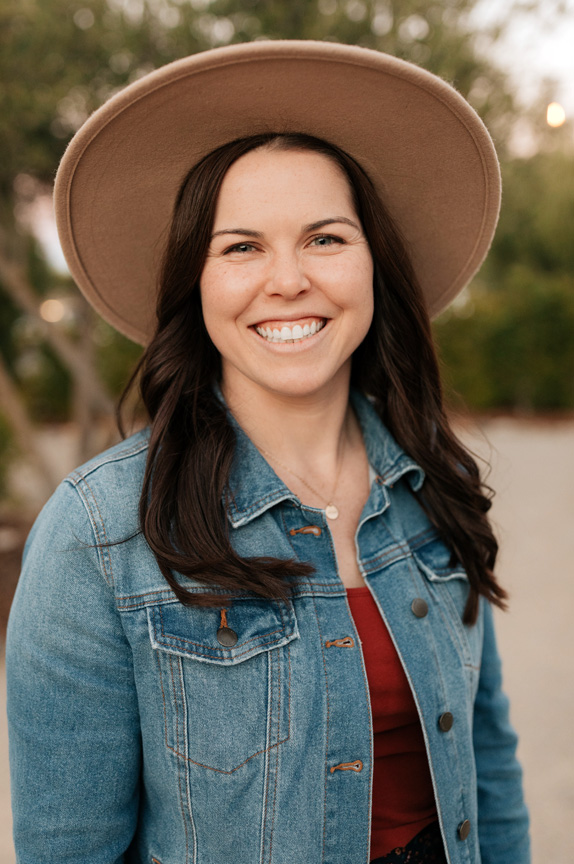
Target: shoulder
(99, 500)
(94, 506)
(110, 484)
(124, 461)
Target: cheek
(364, 301)
(359, 282)
(225, 291)
(217, 296)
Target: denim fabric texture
(135, 736)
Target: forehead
(269, 179)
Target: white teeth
(290, 334)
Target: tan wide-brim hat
(425, 148)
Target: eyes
(321, 241)
(326, 240)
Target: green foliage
(511, 345)
(45, 385)
(516, 350)
(9, 314)
(60, 59)
(116, 357)
(7, 450)
(537, 220)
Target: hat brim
(425, 148)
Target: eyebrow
(313, 226)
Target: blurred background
(506, 344)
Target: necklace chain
(331, 511)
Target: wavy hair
(182, 505)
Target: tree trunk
(14, 410)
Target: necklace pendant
(331, 512)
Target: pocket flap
(437, 561)
(191, 631)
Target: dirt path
(533, 474)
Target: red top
(403, 799)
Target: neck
(306, 432)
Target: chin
(299, 387)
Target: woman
(261, 630)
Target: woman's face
(287, 287)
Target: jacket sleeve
(502, 815)
(72, 709)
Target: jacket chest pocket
(224, 704)
(449, 586)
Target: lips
(278, 331)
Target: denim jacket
(136, 736)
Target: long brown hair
(182, 510)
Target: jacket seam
(76, 477)
(103, 548)
(327, 697)
(211, 656)
(278, 734)
(187, 758)
(209, 647)
(416, 575)
(277, 495)
(182, 776)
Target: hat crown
(425, 148)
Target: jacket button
(419, 607)
(445, 721)
(464, 829)
(226, 637)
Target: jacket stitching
(388, 556)
(459, 790)
(368, 697)
(175, 701)
(327, 698)
(288, 651)
(142, 604)
(328, 724)
(182, 778)
(177, 749)
(277, 754)
(78, 475)
(457, 633)
(415, 540)
(211, 649)
(266, 799)
(167, 592)
(275, 496)
(102, 547)
(162, 697)
(232, 770)
(179, 771)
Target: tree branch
(16, 414)
(74, 359)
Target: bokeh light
(52, 311)
(555, 114)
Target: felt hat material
(425, 148)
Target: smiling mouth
(291, 332)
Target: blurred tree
(6, 449)
(60, 59)
(510, 342)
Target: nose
(286, 276)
